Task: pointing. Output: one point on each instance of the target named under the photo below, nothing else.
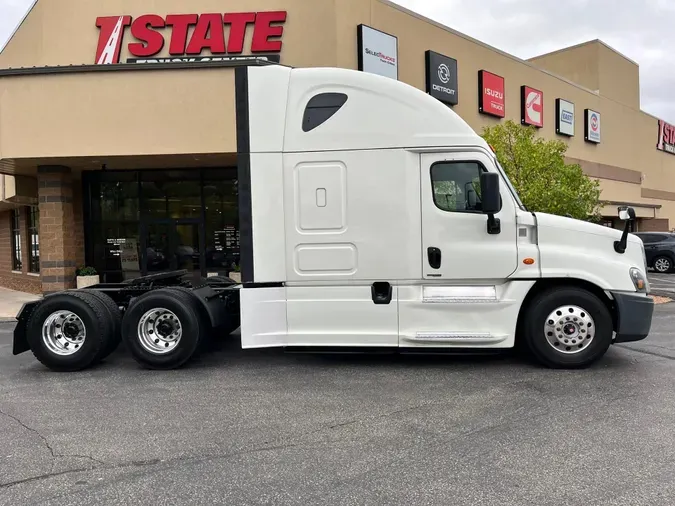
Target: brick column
(57, 228)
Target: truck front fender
(20, 344)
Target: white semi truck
(371, 217)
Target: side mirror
(490, 200)
(626, 214)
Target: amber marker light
(528, 261)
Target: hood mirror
(626, 214)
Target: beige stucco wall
(117, 114)
(191, 111)
(64, 32)
(579, 64)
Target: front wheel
(567, 328)
(663, 265)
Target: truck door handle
(434, 255)
(381, 292)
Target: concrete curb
(662, 293)
(7, 319)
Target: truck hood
(576, 248)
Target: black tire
(664, 263)
(535, 337)
(232, 323)
(93, 314)
(184, 306)
(115, 321)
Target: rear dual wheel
(163, 329)
(72, 330)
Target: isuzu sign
(532, 107)
(189, 36)
(441, 77)
(666, 140)
(564, 117)
(491, 94)
(592, 130)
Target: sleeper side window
(321, 108)
(456, 186)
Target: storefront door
(172, 244)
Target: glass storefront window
(140, 222)
(222, 225)
(171, 194)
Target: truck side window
(320, 108)
(456, 186)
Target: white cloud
(640, 29)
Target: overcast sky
(640, 29)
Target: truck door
(462, 300)
(456, 245)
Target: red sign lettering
(206, 33)
(666, 139)
(491, 94)
(532, 107)
(152, 42)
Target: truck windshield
(509, 185)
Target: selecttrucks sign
(190, 37)
(378, 52)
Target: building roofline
(581, 44)
(515, 58)
(16, 28)
(483, 44)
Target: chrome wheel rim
(159, 331)
(662, 265)
(569, 329)
(63, 333)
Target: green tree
(537, 169)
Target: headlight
(639, 280)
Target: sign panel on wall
(441, 73)
(564, 117)
(592, 129)
(191, 38)
(531, 106)
(666, 141)
(378, 52)
(491, 94)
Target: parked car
(660, 250)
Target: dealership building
(118, 135)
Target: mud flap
(20, 344)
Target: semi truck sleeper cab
(371, 216)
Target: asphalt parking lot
(662, 284)
(270, 428)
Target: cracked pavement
(263, 427)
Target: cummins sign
(441, 77)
